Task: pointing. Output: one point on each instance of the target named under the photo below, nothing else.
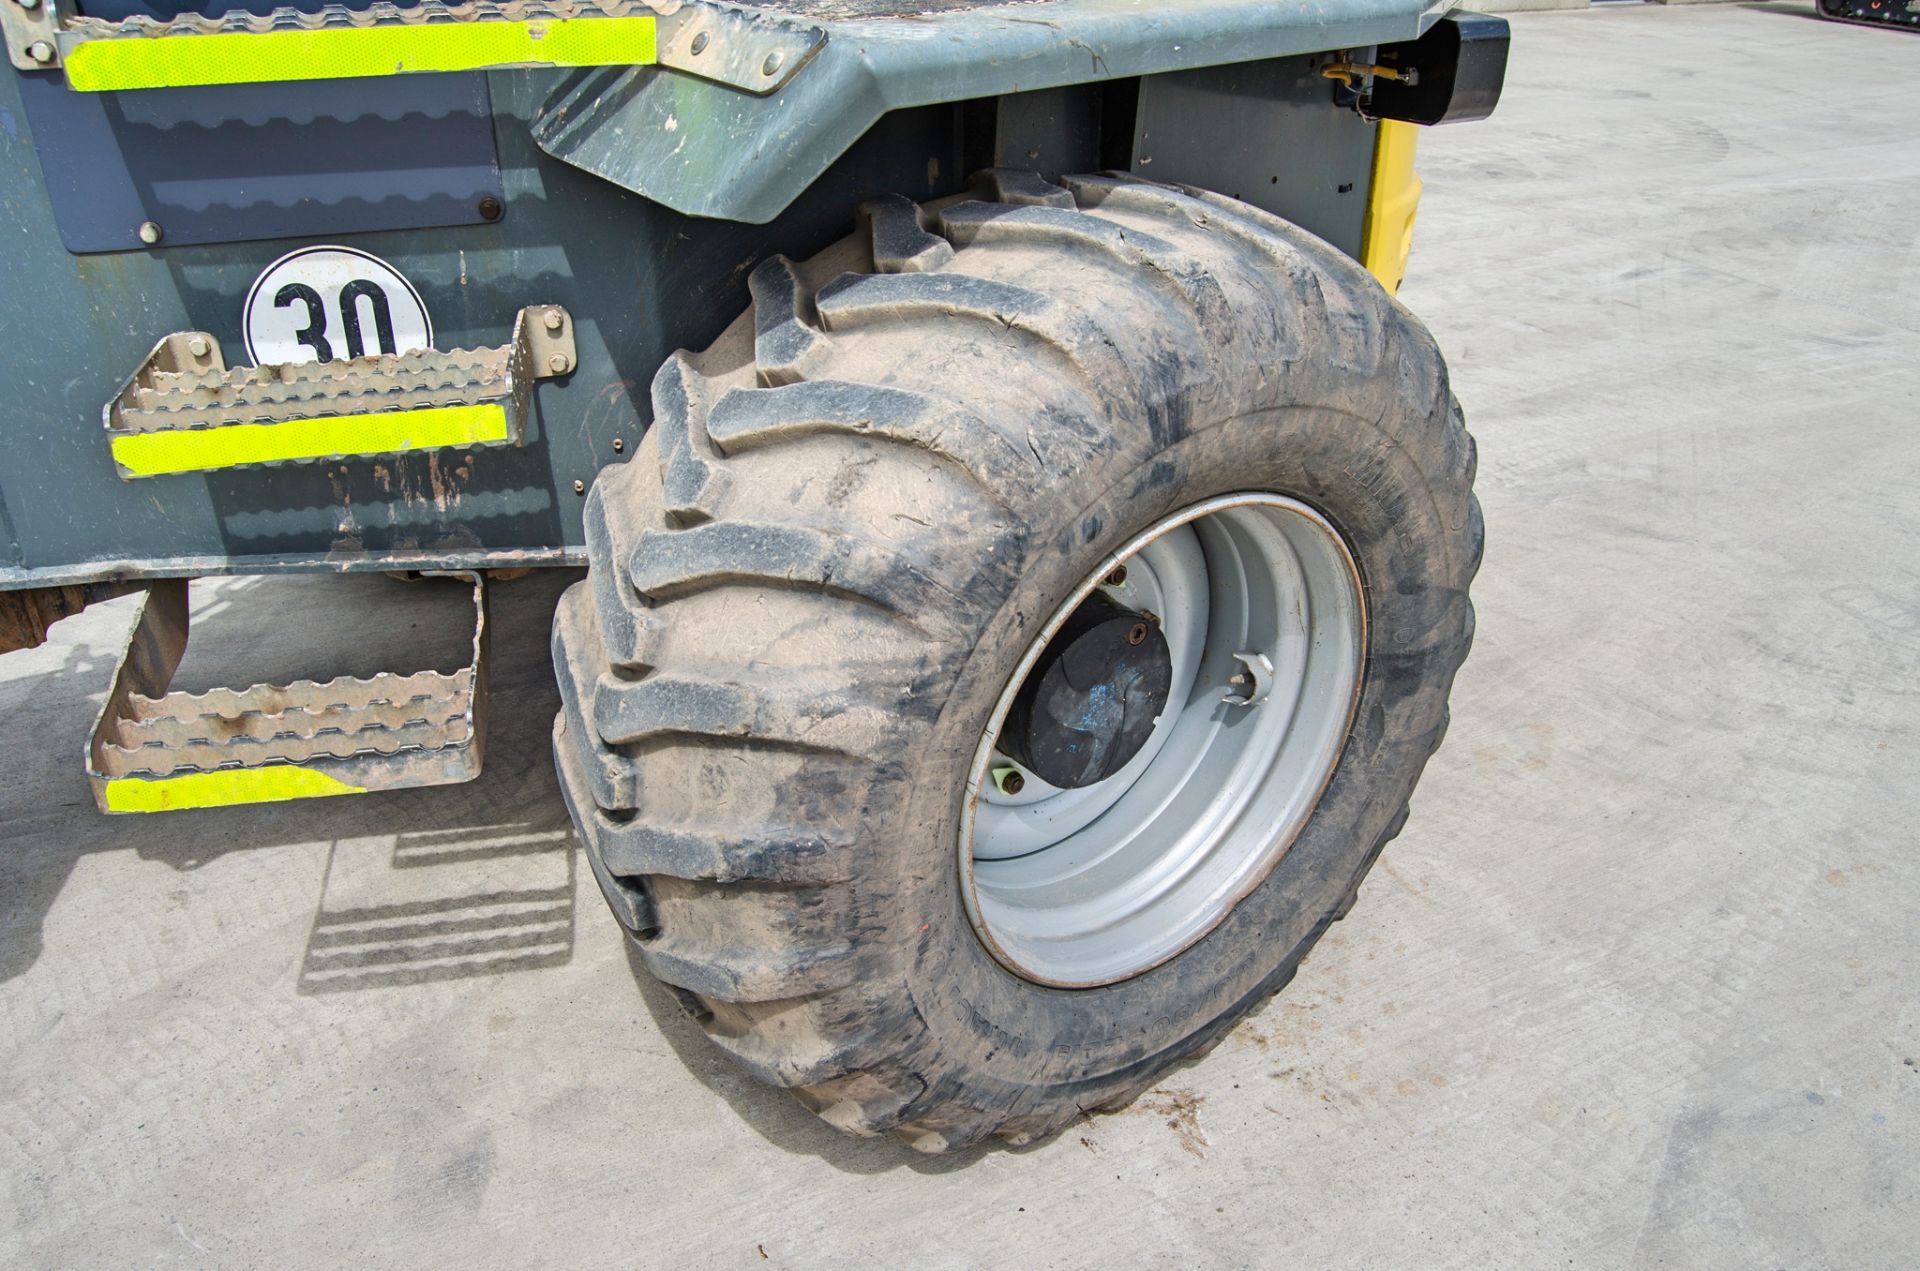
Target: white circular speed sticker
(327, 304)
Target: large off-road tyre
(817, 579)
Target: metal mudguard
(707, 149)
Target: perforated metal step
(185, 411)
(155, 751)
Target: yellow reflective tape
(223, 789)
(1387, 241)
(150, 454)
(260, 57)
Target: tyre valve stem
(1255, 680)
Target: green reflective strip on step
(221, 789)
(259, 57)
(152, 454)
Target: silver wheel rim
(1092, 886)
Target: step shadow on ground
(479, 882)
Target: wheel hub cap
(1090, 703)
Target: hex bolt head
(42, 52)
(150, 232)
(555, 320)
(558, 363)
(775, 60)
(700, 43)
(1116, 577)
(28, 4)
(198, 346)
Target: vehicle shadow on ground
(442, 904)
(416, 886)
(479, 882)
(776, 1115)
(1791, 9)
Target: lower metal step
(155, 751)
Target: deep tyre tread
(849, 517)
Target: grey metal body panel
(232, 163)
(1258, 132)
(709, 150)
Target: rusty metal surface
(26, 615)
(388, 731)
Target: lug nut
(1009, 780)
(1116, 577)
(1150, 616)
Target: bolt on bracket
(740, 48)
(32, 31)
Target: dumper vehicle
(1004, 645)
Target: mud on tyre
(855, 515)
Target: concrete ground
(1635, 988)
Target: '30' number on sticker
(323, 304)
